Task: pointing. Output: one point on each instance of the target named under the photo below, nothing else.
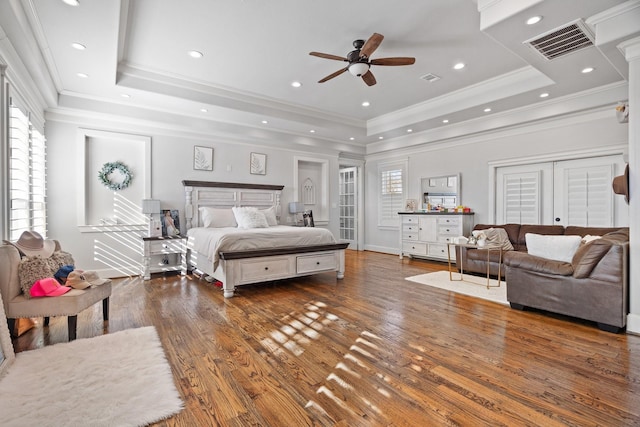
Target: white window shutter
(521, 198)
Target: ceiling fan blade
(328, 56)
(371, 45)
(336, 74)
(368, 78)
(393, 61)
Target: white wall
(471, 156)
(171, 163)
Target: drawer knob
(318, 263)
(165, 246)
(266, 268)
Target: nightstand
(165, 253)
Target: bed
(234, 256)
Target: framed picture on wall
(170, 222)
(258, 164)
(202, 158)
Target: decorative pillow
(216, 218)
(498, 237)
(558, 248)
(248, 217)
(270, 215)
(59, 259)
(589, 238)
(30, 270)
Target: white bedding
(211, 241)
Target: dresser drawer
(440, 251)
(166, 246)
(412, 235)
(449, 220)
(263, 270)
(410, 228)
(414, 248)
(313, 263)
(449, 230)
(410, 219)
(447, 239)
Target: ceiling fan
(360, 62)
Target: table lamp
(296, 208)
(151, 207)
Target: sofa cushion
(587, 257)
(512, 230)
(594, 231)
(525, 261)
(558, 248)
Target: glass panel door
(348, 207)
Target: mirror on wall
(441, 191)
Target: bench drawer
(313, 263)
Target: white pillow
(559, 248)
(270, 214)
(216, 218)
(248, 217)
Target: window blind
(392, 193)
(27, 175)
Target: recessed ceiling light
(296, 84)
(487, 110)
(381, 137)
(125, 95)
(544, 95)
(83, 75)
(351, 138)
(78, 46)
(534, 20)
(195, 54)
(459, 66)
(264, 122)
(587, 70)
(409, 130)
(445, 121)
(312, 131)
(204, 110)
(72, 2)
(366, 103)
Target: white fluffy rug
(118, 379)
(474, 286)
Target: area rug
(474, 286)
(118, 379)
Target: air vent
(562, 41)
(430, 77)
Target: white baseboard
(633, 323)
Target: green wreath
(108, 169)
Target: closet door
(583, 193)
(524, 193)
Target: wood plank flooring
(370, 350)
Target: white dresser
(426, 234)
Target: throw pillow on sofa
(558, 248)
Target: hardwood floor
(372, 349)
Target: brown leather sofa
(593, 286)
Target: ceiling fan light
(358, 68)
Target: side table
(488, 249)
(164, 253)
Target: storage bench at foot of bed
(255, 266)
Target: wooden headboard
(227, 195)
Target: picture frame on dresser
(170, 222)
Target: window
(392, 192)
(27, 174)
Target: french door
(348, 183)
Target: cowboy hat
(31, 243)
(621, 184)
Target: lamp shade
(150, 206)
(296, 207)
(358, 68)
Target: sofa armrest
(523, 260)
